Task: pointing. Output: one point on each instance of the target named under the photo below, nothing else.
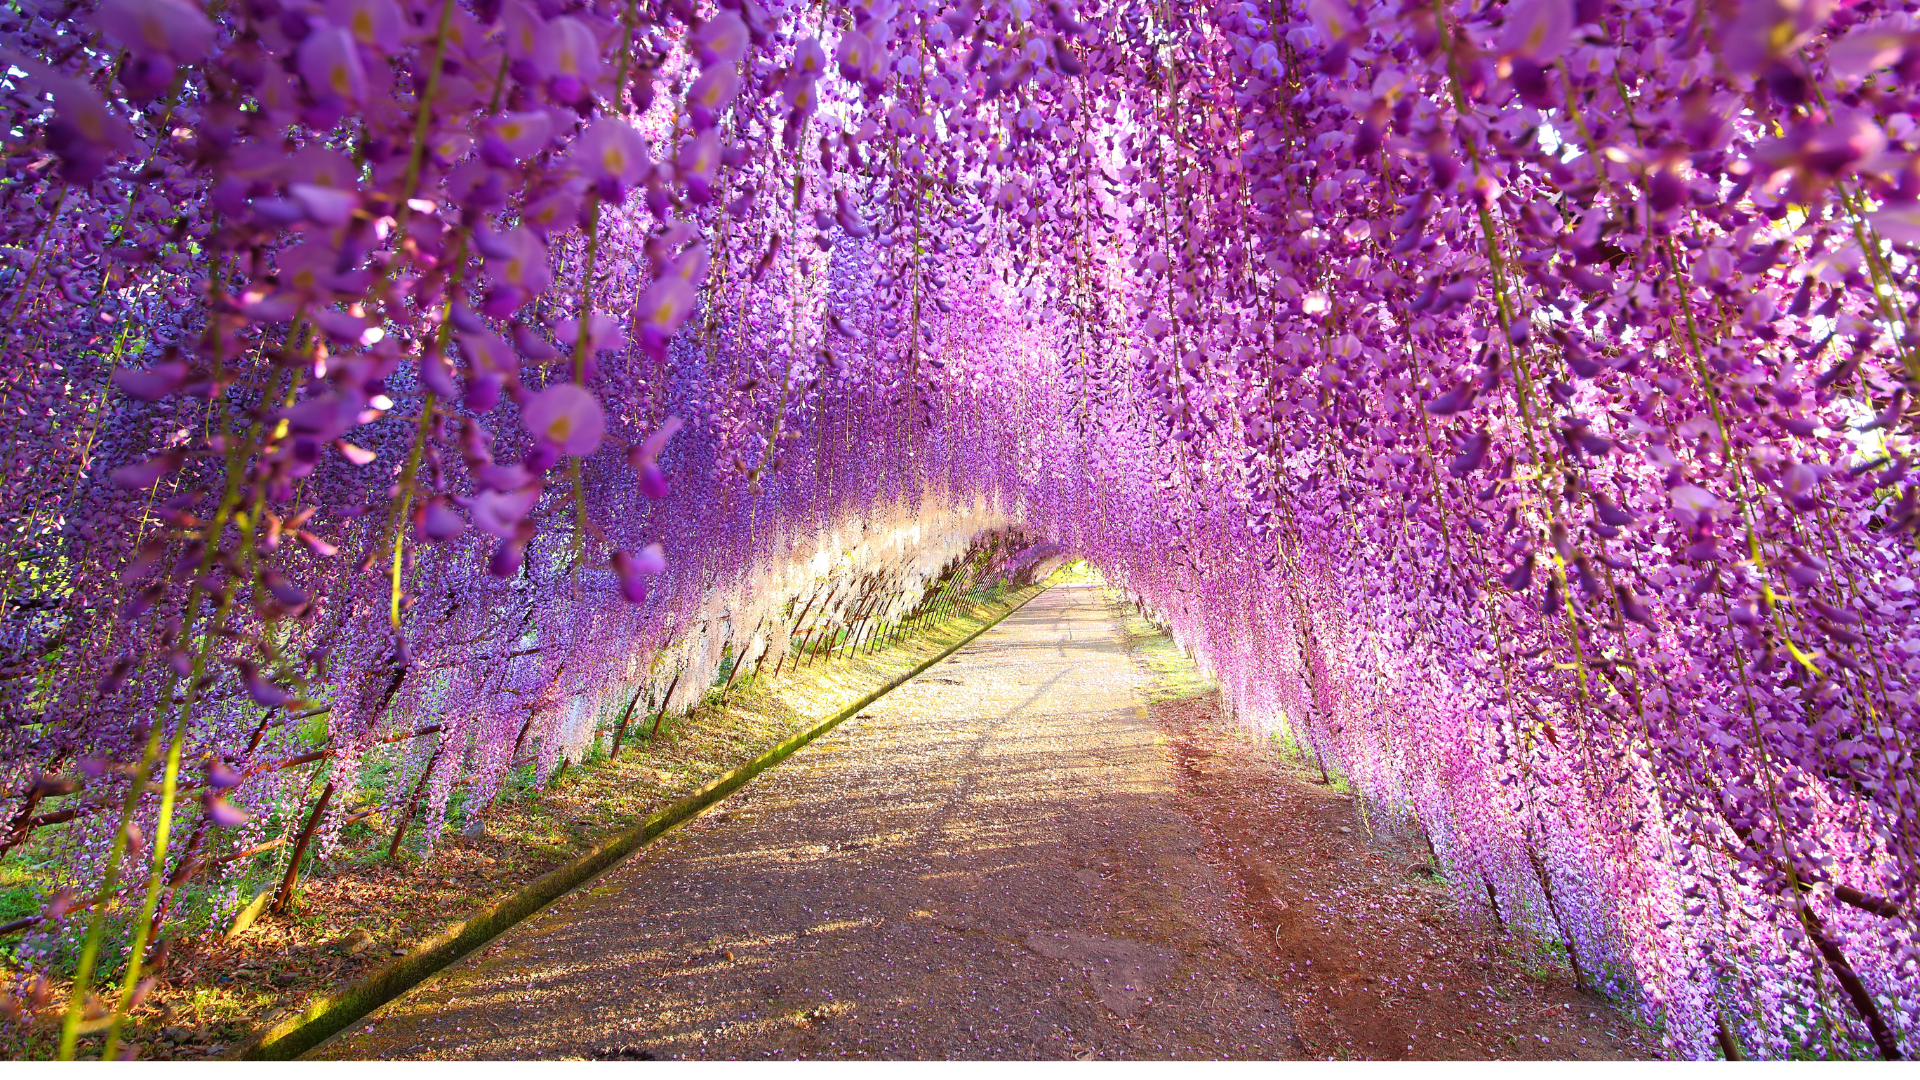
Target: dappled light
(415, 405)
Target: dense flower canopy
(1513, 402)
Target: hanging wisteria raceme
(1549, 369)
(1511, 402)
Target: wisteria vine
(1512, 401)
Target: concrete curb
(321, 1020)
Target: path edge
(324, 1018)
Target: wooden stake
(1728, 1047)
(400, 832)
(1553, 907)
(795, 652)
(874, 635)
(860, 609)
(873, 641)
(668, 696)
(796, 625)
(285, 897)
(738, 662)
(512, 757)
(1883, 1036)
(621, 733)
(828, 637)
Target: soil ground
(1048, 846)
(1369, 950)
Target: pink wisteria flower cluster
(1513, 403)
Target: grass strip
(302, 1032)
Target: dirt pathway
(988, 864)
(1009, 857)
(1366, 946)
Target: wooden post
(621, 733)
(958, 586)
(406, 817)
(931, 601)
(739, 662)
(853, 625)
(826, 637)
(393, 687)
(664, 698)
(21, 825)
(859, 612)
(867, 632)
(873, 641)
(285, 896)
(512, 756)
(1553, 908)
(818, 632)
(830, 631)
(183, 872)
(1728, 1046)
(796, 625)
(796, 641)
(1883, 1036)
(795, 651)
(869, 603)
(834, 637)
(873, 629)
(258, 731)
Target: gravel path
(991, 862)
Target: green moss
(1175, 676)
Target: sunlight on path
(989, 863)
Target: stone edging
(319, 1021)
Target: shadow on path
(988, 863)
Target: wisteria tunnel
(1285, 497)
